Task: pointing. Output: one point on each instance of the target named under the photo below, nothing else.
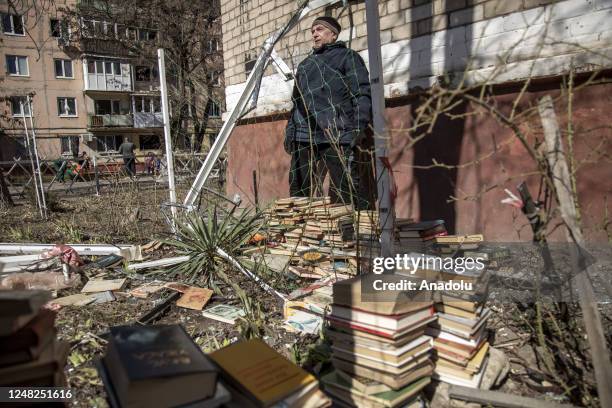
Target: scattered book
(195, 298)
(223, 313)
(157, 366)
(263, 377)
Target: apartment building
(424, 43)
(89, 89)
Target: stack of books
(30, 355)
(257, 376)
(158, 366)
(460, 337)
(418, 236)
(457, 244)
(381, 354)
(336, 223)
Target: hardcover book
(158, 366)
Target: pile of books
(380, 352)
(257, 376)
(460, 336)
(447, 245)
(418, 236)
(335, 221)
(30, 354)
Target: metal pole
(167, 137)
(40, 185)
(29, 146)
(96, 175)
(385, 206)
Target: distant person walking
(129, 158)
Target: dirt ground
(133, 216)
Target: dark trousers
(130, 165)
(310, 162)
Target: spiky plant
(198, 237)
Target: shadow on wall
(436, 185)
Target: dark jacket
(331, 97)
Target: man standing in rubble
(332, 108)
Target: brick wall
(421, 39)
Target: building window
(66, 107)
(214, 78)
(20, 106)
(213, 110)
(63, 68)
(146, 35)
(59, 28)
(213, 45)
(249, 63)
(12, 24)
(146, 74)
(147, 104)
(107, 107)
(17, 65)
(108, 143)
(149, 142)
(70, 145)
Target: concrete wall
(479, 187)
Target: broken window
(108, 143)
(59, 28)
(249, 63)
(66, 106)
(149, 142)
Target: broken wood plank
(499, 399)
(600, 354)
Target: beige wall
(41, 49)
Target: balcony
(107, 75)
(148, 120)
(99, 121)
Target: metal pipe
(37, 175)
(167, 136)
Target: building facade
(504, 44)
(93, 82)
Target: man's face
(321, 35)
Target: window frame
(22, 113)
(70, 139)
(105, 144)
(61, 115)
(12, 32)
(112, 106)
(19, 74)
(63, 76)
(211, 108)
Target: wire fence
(102, 173)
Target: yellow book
(260, 372)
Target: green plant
(68, 232)
(20, 234)
(253, 324)
(198, 237)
